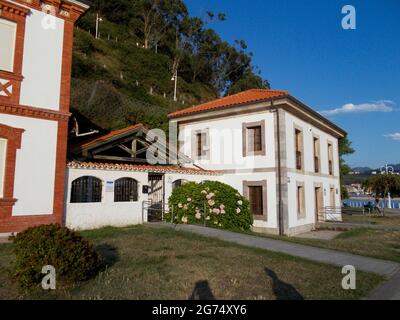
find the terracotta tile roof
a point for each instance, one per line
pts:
(138, 167)
(249, 96)
(89, 142)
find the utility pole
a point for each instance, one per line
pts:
(175, 78)
(98, 19)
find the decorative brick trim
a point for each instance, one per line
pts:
(65, 94)
(62, 9)
(17, 14)
(8, 7)
(13, 136)
(34, 112)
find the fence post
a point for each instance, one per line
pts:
(172, 214)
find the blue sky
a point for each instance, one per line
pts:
(300, 46)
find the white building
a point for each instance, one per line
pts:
(278, 152)
(35, 66)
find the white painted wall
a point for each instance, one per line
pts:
(42, 62)
(83, 216)
(226, 153)
(35, 165)
(308, 177)
(226, 142)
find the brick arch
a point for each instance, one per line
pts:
(13, 137)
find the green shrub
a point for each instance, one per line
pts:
(212, 203)
(73, 258)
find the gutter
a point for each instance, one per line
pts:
(280, 207)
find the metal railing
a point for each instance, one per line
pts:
(330, 214)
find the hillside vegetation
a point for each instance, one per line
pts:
(126, 76)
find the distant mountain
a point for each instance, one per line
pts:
(366, 170)
(361, 169)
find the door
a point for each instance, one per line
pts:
(318, 203)
(156, 197)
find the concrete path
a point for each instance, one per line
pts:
(382, 267)
(390, 290)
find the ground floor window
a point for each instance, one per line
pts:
(125, 190)
(178, 183)
(301, 210)
(256, 193)
(86, 189)
(256, 199)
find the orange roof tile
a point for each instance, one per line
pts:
(138, 167)
(249, 96)
(107, 136)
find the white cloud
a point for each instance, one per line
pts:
(377, 106)
(394, 136)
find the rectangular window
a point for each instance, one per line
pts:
(256, 200)
(253, 135)
(200, 144)
(333, 197)
(300, 201)
(3, 152)
(7, 44)
(298, 136)
(254, 139)
(330, 158)
(316, 155)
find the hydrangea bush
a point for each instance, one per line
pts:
(212, 203)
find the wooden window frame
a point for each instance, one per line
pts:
(317, 154)
(263, 184)
(245, 139)
(301, 201)
(13, 137)
(330, 158)
(206, 146)
(10, 82)
(332, 195)
(299, 148)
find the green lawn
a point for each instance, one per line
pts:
(388, 220)
(151, 263)
(378, 244)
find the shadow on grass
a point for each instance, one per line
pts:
(109, 254)
(283, 290)
(202, 291)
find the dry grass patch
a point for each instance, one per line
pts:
(152, 263)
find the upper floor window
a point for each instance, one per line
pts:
(125, 190)
(86, 189)
(298, 139)
(316, 147)
(200, 144)
(3, 152)
(254, 138)
(8, 30)
(330, 158)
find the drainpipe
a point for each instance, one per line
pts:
(280, 207)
